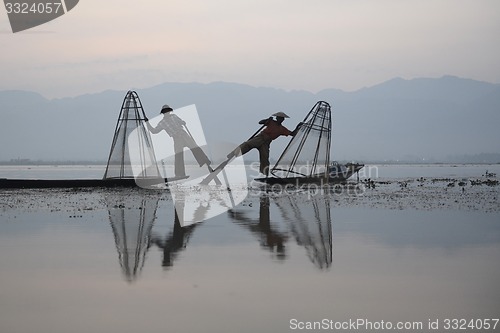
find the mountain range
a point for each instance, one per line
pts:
(417, 119)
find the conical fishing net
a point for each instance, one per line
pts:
(308, 153)
(132, 154)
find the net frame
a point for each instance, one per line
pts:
(317, 120)
(130, 119)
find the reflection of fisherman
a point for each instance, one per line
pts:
(263, 140)
(269, 238)
(173, 125)
(177, 240)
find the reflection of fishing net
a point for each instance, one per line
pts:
(132, 219)
(308, 153)
(311, 227)
(131, 151)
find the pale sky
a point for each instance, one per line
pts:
(289, 44)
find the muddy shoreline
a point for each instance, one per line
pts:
(479, 194)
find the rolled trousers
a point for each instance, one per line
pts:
(181, 141)
(262, 143)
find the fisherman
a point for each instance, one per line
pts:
(173, 125)
(262, 141)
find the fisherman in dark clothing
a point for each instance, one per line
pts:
(262, 141)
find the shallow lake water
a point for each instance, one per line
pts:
(118, 260)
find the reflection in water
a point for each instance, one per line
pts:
(311, 225)
(309, 221)
(269, 238)
(132, 219)
(408, 265)
(177, 239)
(199, 204)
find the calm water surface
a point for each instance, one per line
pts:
(117, 261)
(375, 171)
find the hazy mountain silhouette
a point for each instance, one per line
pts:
(397, 119)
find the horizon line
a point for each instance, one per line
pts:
(250, 85)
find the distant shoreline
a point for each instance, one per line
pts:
(367, 162)
(27, 162)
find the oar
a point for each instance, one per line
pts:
(221, 166)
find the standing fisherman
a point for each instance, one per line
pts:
(173, 125)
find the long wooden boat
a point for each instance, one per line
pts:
(338, 173)
(64, 183)
(6, 183)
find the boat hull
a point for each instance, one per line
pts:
(338, 173)
(68, 183)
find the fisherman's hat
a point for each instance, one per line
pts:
(165, 108)
(280, 114)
